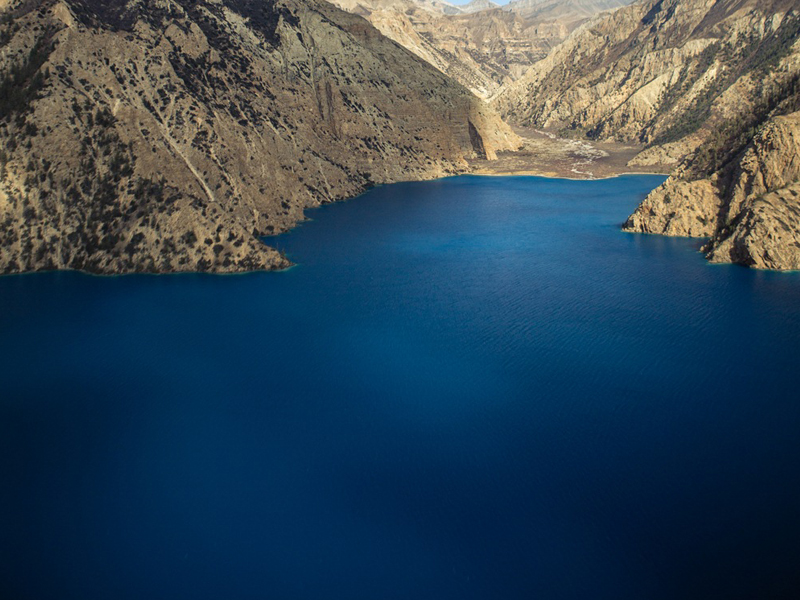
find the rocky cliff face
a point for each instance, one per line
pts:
(478, 5)
(168, 135)
(711, 86)
(482, 48)
(569, 12)
(749, 208)
(663, 72)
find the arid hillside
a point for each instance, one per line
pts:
(662, 72)
(483, 47)
(709, 86)
(169, 135)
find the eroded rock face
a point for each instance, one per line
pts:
(766, 236)
(482, 47)
(750, 209)
(662, 72)
(707, 85)
(570, 12)
(477, 6)
(168, 135)
(678, 208)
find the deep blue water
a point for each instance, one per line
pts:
(473, 388)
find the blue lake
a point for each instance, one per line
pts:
(472, 388)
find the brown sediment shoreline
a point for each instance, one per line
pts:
(547, 155)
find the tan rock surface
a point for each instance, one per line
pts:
(482, 49)
(750, 209)
(168, 135)
(679, 208)
(702, 84)
(655, 72)
(766, 235)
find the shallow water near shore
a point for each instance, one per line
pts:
(470, 388)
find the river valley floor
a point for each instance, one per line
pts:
(547, 154)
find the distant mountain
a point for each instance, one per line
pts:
(439, 7)
(143, 135)
(657, 72)
(707, 85)
(481, 47)
(445, 7)
(567, 11)
(477, 6)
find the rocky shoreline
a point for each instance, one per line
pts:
(748, 209)
(150, 136)
(171, 137)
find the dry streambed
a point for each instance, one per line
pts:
(545, 153)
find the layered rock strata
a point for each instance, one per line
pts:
(665, 73)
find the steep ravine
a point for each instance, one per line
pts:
(169, 135)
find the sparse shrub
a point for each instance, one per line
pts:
(22, 84)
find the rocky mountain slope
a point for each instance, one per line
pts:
(439, 7)
(746, 200)
(569, 12)
(656, 71)
(478, 5)
(483, 49)
(168, 135)
(707, 85)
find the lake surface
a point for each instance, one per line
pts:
(473, 388)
